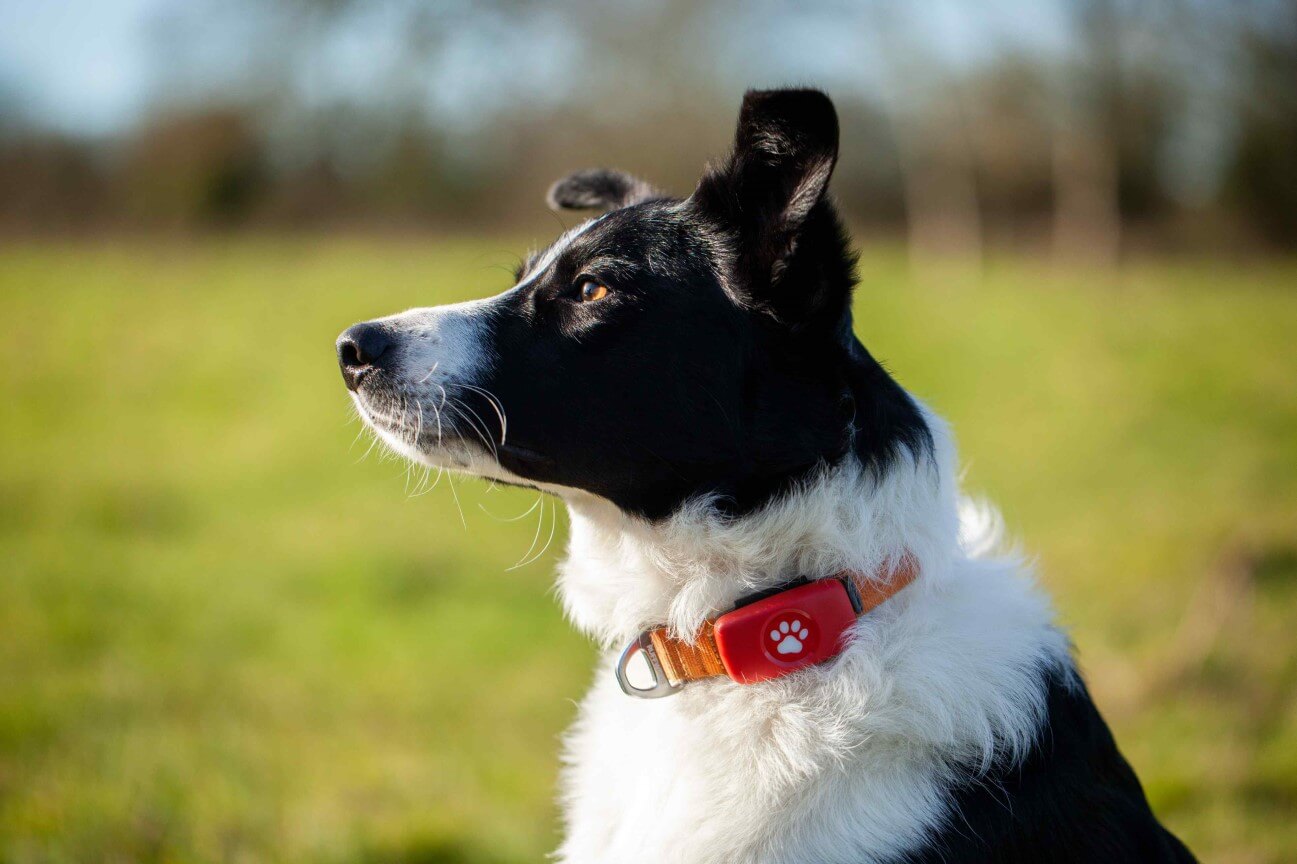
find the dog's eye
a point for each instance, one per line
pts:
(590, 291)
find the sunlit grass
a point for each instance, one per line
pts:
(225, 635)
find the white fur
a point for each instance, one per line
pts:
(846, 762)
(448, 338)
(441, 348)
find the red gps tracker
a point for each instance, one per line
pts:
(784, 632)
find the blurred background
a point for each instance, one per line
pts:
(230, 630)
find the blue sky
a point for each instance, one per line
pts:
(78, 65)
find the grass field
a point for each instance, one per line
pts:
(226, 636)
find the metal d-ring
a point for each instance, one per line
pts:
(662, 685)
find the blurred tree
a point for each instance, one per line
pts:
(962, 125)
(927, 108)
(1087, 217)
(1011, 133)
(200, 169)
(1263, 174)
(50, 183)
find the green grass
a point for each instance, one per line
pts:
(225, 636)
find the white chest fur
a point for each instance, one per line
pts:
(849, 761)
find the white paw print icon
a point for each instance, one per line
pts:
(789, 636)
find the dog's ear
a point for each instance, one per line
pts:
(599, 189)
(771, 194)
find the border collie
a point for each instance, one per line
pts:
(770, 526)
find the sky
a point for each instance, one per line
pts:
(88, 67)
(77, 65)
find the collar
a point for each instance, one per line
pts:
(766, 635)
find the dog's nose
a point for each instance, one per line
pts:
(359, 349)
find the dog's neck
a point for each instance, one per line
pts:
(624, 574)
(952, 671)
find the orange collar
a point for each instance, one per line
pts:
(767, 635)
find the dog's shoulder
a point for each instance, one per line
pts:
(1074, 798)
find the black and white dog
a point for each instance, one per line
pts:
(853, 671)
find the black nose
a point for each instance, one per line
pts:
(359, 349)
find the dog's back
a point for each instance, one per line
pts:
(1074, 798)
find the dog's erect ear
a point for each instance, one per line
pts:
(599, 189)
(771, 192)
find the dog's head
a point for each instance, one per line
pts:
(665, 350)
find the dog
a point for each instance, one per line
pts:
(766, 537)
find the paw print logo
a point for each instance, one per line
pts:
(789, 637)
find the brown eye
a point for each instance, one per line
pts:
(592, 291)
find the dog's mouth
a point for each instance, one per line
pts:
(461, 427)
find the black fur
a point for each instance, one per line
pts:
(599, 189)
(723, 363)
(792, 254)
(1074, 800)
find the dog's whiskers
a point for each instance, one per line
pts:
(437, 410)
(451, 480)
(495, 403)
(479, 425)
(529, 558)
(540, 523)
(521, 515)
(474, 422)
(418, 436)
